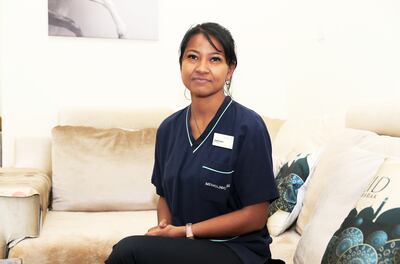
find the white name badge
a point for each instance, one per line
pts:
(223, 141)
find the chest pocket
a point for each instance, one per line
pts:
(215, 182)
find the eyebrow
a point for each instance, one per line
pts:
(215, 52)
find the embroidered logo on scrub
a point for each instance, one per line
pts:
(223, 141)
(220, 187)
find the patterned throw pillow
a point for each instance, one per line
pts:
(291, 182)
(371, 231)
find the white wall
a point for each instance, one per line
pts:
(342, 52)
(295, 58)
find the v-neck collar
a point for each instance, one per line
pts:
(196, 144)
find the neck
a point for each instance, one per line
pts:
(202, 112)
(205, 108)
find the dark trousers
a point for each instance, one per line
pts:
(166, 250)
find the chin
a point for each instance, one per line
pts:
(203, 91)
(205, 94)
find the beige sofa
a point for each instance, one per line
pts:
(81, 227)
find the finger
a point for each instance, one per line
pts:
(152, 233)
(153, 228)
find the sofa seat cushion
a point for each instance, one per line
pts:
(82, 237)
(284, 246)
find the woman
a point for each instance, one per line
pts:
(213, 168)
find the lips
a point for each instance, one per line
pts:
(200, 80)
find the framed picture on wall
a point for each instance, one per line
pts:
(122, 19)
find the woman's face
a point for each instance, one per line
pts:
(204, 69)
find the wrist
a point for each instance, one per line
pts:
(182, 231)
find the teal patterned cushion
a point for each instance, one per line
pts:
(371, 231)
(290, 181)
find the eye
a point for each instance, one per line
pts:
(215, 59)
(191, 56)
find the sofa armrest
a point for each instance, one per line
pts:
(2, 245)
(24, 196)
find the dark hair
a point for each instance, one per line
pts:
(217, 31)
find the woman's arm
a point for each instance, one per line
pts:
(236, 223)
(163, 216)
(248, 219)
(163, 212)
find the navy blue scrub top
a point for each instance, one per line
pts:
(204, 178)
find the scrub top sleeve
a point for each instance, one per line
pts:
(253, 177)
(156, 178)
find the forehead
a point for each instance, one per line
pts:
(200, 41)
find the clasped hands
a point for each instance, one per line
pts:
(166, 230)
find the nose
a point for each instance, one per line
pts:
(202, 66)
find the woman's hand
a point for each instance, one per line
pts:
(167, 231)
(163, 223)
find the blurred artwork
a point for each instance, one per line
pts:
(122, 19)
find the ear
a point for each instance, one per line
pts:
(231, 69)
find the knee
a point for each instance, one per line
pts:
(124, 251)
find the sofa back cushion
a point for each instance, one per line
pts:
(102, 169)
(113, 117)
(304, 136)
(273, 126)
(381, 118)
(33, 152)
